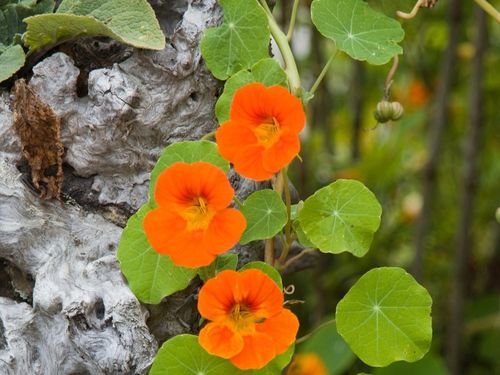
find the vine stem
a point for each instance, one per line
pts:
(305, 337)
(269, 251)
(488, 8)
(285, 49)
(207, 136)
(288, 229)
(323, 73)
(293, 18)
(292, 260)
(390, 77)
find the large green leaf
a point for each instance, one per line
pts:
(385, 317)
(267, 269)
(183, 355)
(265, 213)
(241, 41)
(342, 216)
(266, 71)
(358, 30)
(223, 262)
(150, 275)
(332, 349)
(12, 14)
(187, 152)
(135, 23)
(11, 60)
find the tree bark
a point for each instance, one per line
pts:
(470, 180)
(65, 307)
(436, 130)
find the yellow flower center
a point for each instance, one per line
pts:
(268, 133)
(199, 215)
(243, 319)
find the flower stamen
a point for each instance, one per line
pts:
(268, 133)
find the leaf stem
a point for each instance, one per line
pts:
(488, 8)
(295, 258)
(269, 251)
(282, 42)
(238, 202)
(207, 136)
(288, 229)
(305, 337)
(293, 18)
(323, 73)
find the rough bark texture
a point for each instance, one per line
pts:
(64, 305)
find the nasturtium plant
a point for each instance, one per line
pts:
(342, 216)
(12, 59)
(385, 317)
(187, 152)
(241, 41)
(266, 71)
(358, 30)
(223, 262)
(151, 276)
(267, 269)
(135, 24)
(183, 355)
(265, 213)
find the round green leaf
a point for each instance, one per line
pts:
(267, 269)
(11, 60)
(135, 24)
(342, 216)
(223, 262)
(358, 30)
(266, 215)
(385, 317)
(301, 236)
(183, 355)
(150, 275)
(241, 41)
(187, 152)
(266, 71)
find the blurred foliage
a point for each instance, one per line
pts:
(391, 161)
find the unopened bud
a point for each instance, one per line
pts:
(388, 111)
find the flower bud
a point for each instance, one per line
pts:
(388, 111)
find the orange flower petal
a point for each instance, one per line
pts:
(248, 163)
(260, 292)
(178, 184)
(250, 105)
(230, 137)
(216, 297)
(282, 153)
(167, 234)
(258, 351)
(219, 340)
(282, 328)
(224, 231)
(286, 108)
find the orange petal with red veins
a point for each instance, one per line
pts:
(250, 105)
(282, 328)
(224, 231)
(258, 351)
(219, 340)
(260, 292)
(216, 297)
(286, 108)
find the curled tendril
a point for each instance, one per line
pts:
(419, 4)
(290, 289)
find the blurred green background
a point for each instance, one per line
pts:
(343, 140)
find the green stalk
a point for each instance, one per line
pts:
(282, 42)
(488, 8)
(293, 18)
(323, 73)
(288, 228)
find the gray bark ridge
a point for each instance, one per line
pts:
(65, 307)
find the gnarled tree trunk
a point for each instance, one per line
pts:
(65, 307)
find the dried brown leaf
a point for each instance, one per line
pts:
(38, 126)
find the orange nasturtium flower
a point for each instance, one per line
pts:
(262, 133)
(307, 364)
(249, 325)
(192, 224)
